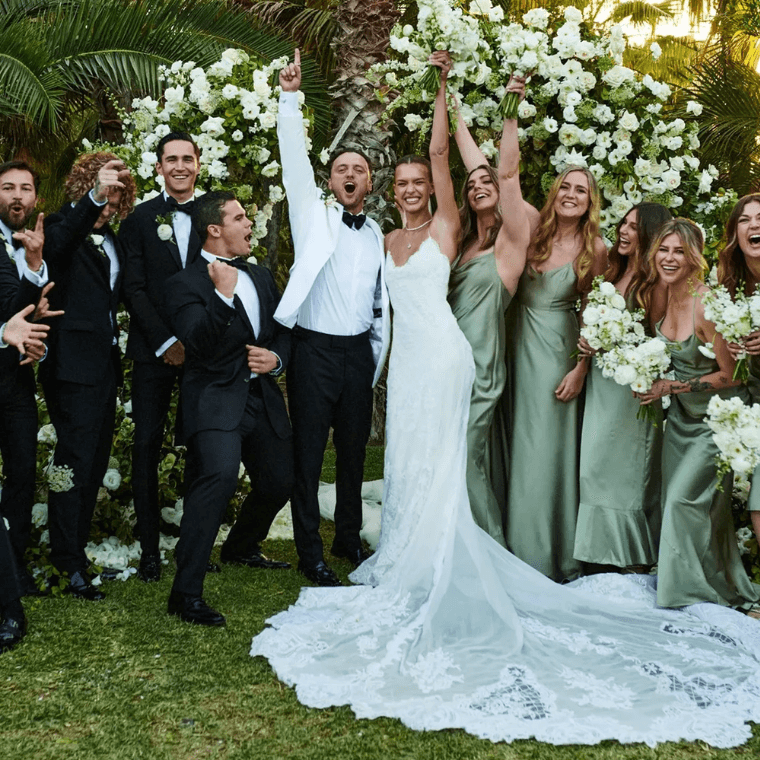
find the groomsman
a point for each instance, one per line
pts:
(23, 273)
(26, 338)
(154, 255)
(222, 310)
(337, 304)
(82, 370)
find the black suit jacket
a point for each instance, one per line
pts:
(215, 381)
(80, 341)
(15, 294)
(150, 262)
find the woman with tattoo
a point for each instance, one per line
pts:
(698, 558)
(739, 268)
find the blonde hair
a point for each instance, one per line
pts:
(692, 241)
(588, 227)
(732, 266)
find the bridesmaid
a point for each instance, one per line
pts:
(739, 265)
(483, 280)
(698, 559)
(619, 514)
(565, 256)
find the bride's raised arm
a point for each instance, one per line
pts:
(446, 225)
(518, 218)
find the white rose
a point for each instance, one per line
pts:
(625, 375)
(607, 289)
(629, 121)
(165, 232)
(413, 121)
(271, 169)
(112, 479)
(550, 125)
(568, 114)
(693, 107)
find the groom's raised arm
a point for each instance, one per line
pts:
(297, 172)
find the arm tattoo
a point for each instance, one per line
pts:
(697, 385)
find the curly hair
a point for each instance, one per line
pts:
(469, 219)
(82, 178)
(588, 227)
(693, 243)
(732, 267)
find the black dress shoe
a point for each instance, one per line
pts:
(109, 573)
(212, 567)
(319, 573)
(81, 588)
(256, 559)
(354, 556)
(12, 630)
(192, 609)
(29, 586)
(149, 570)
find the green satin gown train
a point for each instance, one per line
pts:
(753, 503)
(479, 301)
(699, 559)
(542, 504)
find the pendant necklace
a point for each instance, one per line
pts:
(414, 229)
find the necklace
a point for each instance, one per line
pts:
(414, 229)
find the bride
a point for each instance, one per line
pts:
(453, 631)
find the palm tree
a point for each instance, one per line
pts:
(64, 65)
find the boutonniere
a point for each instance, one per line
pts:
(331, 201)
(165, 227)
(97, 241)
(10, 250)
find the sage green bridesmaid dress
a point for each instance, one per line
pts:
(619, 514)
(753, 503)
(699, 559)
(479, 301)
(542, 507)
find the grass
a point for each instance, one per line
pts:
(121, 679)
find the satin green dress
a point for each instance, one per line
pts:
(479, 301)
(542, 507)
(699, 559)
(620, 477)
(753, 503)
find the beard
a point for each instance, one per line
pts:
(14, 220)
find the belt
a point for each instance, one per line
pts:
(331, 341)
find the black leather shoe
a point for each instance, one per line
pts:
(29, 586)
(109, 573)
(12, 630)
(255, 559)
(212, 567)
(192, 609)
(320, 573)
(150, 569)
(354, 556)
(81, 588)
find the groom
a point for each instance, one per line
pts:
(337, 304)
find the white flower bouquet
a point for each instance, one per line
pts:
(736, 433)
(735, 319)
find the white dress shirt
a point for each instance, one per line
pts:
(341, 300)
(19, 258)
(245, 290)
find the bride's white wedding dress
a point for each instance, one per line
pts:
(454, 631)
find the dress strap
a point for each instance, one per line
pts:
(694, 314)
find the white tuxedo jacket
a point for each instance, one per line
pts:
(315, 224)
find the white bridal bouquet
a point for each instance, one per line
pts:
(735, 319)
(736, 433)
(625, 354)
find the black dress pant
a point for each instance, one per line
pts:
(18, 446)
(267, 458)
(329, 385)
(9, 585)
(152, 389)
(84, 417)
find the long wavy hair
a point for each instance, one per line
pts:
(732, 267)
(649, 218)
(469, 219)
(588, 225)
(83, 174)
(693, 243)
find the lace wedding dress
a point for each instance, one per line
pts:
(452, 631)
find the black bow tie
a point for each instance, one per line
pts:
(186, 207)
(239, 262)
(355, 221)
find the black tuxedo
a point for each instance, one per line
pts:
(228, 417)
(80, 374)
(149, 263)
(18, 415)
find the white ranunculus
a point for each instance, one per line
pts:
(165, 232)
(112, 479)
(568, 114)
(550, 125)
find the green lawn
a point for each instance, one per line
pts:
(121, 679)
